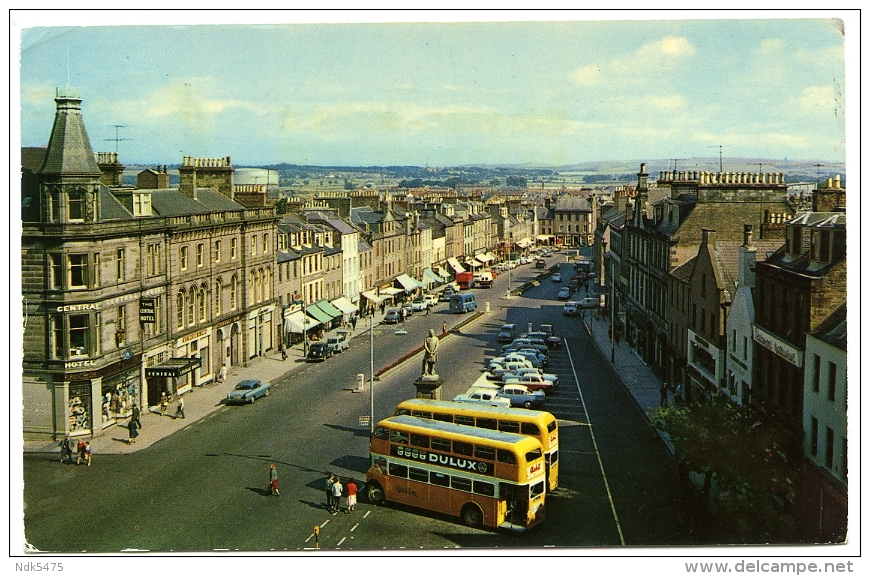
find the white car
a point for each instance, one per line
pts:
(498, 369)
(590, 302)
(419, 305)
(483, 397)
(431, 299)
(522, 371)
(532, 381)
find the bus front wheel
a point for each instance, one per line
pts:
(376, 494)
(472, 515)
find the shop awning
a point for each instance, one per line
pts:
(524, 242)
(345, 305)
(545, 237)
(429, 275)
(391, 291)
(299, 322)
(473, 263)
(485, 258)
(454, 263)
(328, 308)
(408, 283)
(318, 314)
(444, 274)
(172, 368)
(373, 296)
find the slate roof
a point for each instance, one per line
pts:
(340, 225)
(111, 208)
(726, 254)
(570, 203)
(172, 202)
(69, 149)
(833, 328)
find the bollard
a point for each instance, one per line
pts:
(360, 382)
(530, 327)
(487, 306)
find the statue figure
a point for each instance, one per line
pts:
(430, 354)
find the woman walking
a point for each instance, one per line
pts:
(273, 480)
(132, 426)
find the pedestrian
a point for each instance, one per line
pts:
(444, 328)
(80, 452)
(329, 482)
(223, 373)
(283, 351)
(137, 414)
(351, 495)
(336, 496)
(89, 453)
(663, 391)
(353, 321)
(273, 480)
(65, 450)
(678, 393)
(133, 428)
(180, 408)
(164, 403)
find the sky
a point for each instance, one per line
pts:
(561, 91)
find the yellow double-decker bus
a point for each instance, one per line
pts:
(541, 425)
(485, 477)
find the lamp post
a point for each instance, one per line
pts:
(510, 253)
(372, 374)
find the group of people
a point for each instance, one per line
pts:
(334, 490)
(83, 451)
(164, 404)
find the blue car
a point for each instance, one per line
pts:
(249, 390)
(521, 396)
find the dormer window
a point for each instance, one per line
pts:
(141, 204)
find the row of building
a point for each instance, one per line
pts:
(761, 321)
(132, 291)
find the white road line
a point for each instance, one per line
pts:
(354, 527)
(366, 515)
(309, 538)
(340, 541)
(597, 454)
(325, 523)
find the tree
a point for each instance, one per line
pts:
(281, 206)
(518, 181)
(749, 465)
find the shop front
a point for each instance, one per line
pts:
(195, 345)
(260, 331)
(172, 376)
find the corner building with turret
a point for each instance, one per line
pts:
(131, 292)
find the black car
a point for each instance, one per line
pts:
(318, 352)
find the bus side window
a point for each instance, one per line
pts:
(509, 426)
(441, 444)
(530, 429)
(418, 474)
(398, 437)
(463, 448)
(535, 454)
(484, 488)
(463, 484)
(398, 470)
(419, 440)
(402, 412)
(421, 414)
(444, 417)
(484, 452)
(381, 433)
(506, 457)
(538, 489)
(464, 420)
(488, 423)
(439, 479)
(551, 426)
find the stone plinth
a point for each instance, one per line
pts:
(429, 386)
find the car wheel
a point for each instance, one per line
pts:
(268, 391)
(251, 400)
(376, 494)
(527, 404)
(472, 515)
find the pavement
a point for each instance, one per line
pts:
(636, 376)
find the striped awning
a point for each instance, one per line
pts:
(454, 263)
(408, 283)
(429, 275)
(299, 322)
(318, 314)
(345, 305)
(328, 308)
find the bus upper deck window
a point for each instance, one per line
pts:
(506, 457)
(464, 420)
(488, 423)
(509, 426)
(535, 454)
(551, 426)
(419, 414)
(402, 412)
(463, 448)
(419, 440)
(441, 444)
(381, 433)
(484, 452)
(529, 429)
(398, 437)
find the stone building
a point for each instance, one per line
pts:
(130, 292)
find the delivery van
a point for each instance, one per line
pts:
(462, 303)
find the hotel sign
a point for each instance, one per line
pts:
(147, 311)
(784, 350)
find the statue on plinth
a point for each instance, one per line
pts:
(430, 355)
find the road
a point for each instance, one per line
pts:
(204, 487)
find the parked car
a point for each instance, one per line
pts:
(507, 333)
(318, 352)
(499, 369)
(248, 391)
(523, 343)
(537, 358)
(519, 372)
(408, 307)
(419, 305)
(532, 381)
(431, 299)
(550, 339)
(338, 343)
(564, 293)
(557, 277)
(483, 397)
(519, 395)
(570, 308)
(393, 316)
(446, 294)
(590, 302)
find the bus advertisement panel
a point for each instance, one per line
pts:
(541, 425)
(485, 477)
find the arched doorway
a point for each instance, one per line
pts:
(234, 345)
(219, 352)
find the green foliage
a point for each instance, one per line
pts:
(281, 206)
(752, 465)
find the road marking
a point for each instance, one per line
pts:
(340, 541)
(325, 523)
(354, 527)
(309, 538)
(597, 454)
(366, 515)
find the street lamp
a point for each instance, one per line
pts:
(372, 373)
(510, 253)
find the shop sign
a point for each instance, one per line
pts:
(782, 349)
(147, 311)
(78, 307)
(193, 336)
(79, 364)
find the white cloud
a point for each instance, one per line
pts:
(771, 45)
(653, 57)
(587, 75)
(667, 47)
(814, 98)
